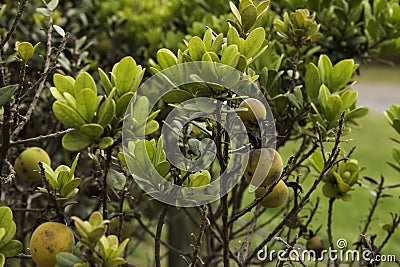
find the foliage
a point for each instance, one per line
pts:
(301, 55)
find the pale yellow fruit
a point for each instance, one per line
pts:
(255, 110)
(264, 167)
(48, 240)
(278, 195)
(27, 163)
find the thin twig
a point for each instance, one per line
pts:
(157, 240)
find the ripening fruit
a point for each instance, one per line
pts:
(48, 240)
(317, 244)
(276, 197)
(255, 110)
(26, 165)
(264, 167)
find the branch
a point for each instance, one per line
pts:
(157, 241)
(21, 8)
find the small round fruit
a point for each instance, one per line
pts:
(48, 240)
(317, 244)
(278, 195)
(264, 167)
(294, 221)
(26, 165)
(255, 110)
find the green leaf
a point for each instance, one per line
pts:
(230, 56)
(140, 110)
(166, 58)
(92, 129)
(6, 217)
(116, 179)
(325, 68)
(312, 81)
(333, 107)
(86, 104)
(114, 262)
(196, 48)
(65, 259)
(233, 37)
(151, 127)
(74, 141)
(324, 95)
(249, 17)
(6, 93)
(67, 115)
(9, 234)
(106, 112)
(359, 112)
(52, 5)
(176, 96)
(123, 102)
(106, 142)
(217, 43)
(349, 99)
(73, 166)
(25, 50)
(56, 94)
(163, 168)
(340, 75)
(208, 39)
(235, 11)
(71, 101)
(13, 248)
(2, 260)
(105, 81)
(70, 186)
(64, 83)
(254, 42)
(125, 73)
(84, 80)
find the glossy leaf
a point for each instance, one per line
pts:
(67, 115)
(166, 58)
(196, 48)
(125, 73)
(106, 142)
(86, 104)
(106, 112)
(340, 75)
(312, 81)
(64, 83)
(6, 93)
(13, 248)
(249, 17)
(75, 141)
(176, 96)
(254, 42)
(84, 80)
(105, 81)
(123, 102)
(92, 129)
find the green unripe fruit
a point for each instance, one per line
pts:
(278, 195)
(27, 163)
(48, 240)
(255, 110)
(264, 167)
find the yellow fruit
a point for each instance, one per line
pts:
(255, 110)
(264, 167)
(317, 244)
(48, 240)
(26, 165)
(276, 197)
